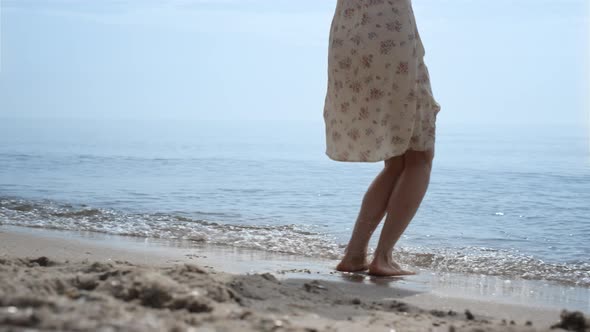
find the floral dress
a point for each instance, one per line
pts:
(379, 102)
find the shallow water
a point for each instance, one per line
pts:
(502, 200)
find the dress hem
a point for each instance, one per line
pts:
(376, 160)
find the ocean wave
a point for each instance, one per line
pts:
(504, 263)
(289, 239)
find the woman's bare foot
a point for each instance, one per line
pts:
(386, 267)
(353, 264)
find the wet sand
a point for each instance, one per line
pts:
(73, 281)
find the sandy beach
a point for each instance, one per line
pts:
(62, 281)
(205, 165)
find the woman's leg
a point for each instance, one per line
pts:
(403, 204)
(372, 211)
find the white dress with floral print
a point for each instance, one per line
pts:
(379, 102)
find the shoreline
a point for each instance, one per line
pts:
(493, 300)
(316, 242)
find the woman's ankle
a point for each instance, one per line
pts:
(355, 256)
(382, 256)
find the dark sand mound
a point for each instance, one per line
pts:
(41, 294)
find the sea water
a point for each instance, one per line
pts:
(511, 201)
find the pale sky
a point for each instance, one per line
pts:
(501, 61)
